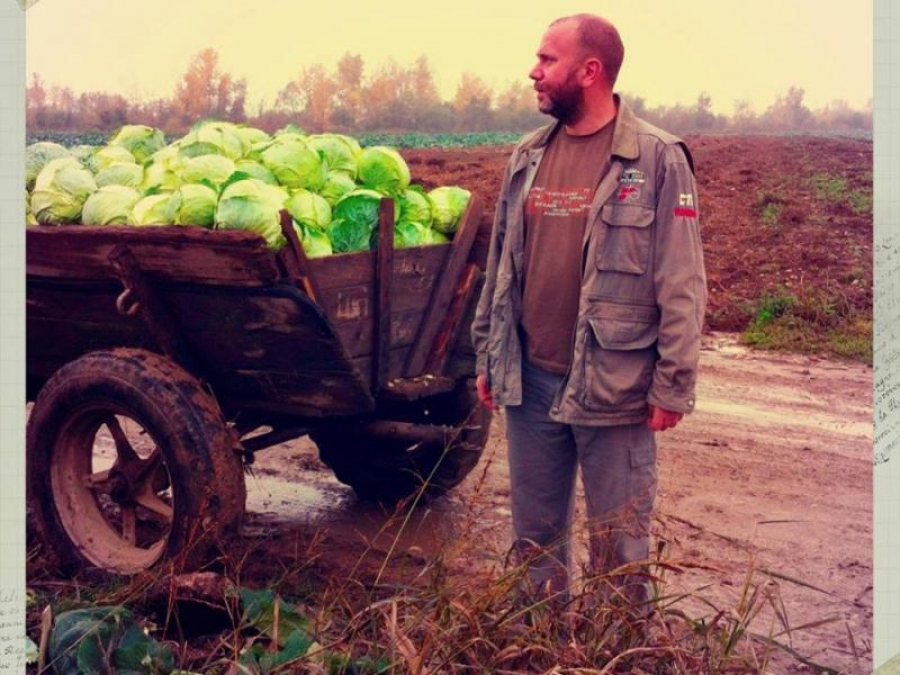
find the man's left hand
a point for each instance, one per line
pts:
(661, 419)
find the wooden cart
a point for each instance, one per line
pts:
(160, 359)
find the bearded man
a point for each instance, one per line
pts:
(589, 322)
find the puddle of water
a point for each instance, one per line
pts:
(317, 502)
(290, 501)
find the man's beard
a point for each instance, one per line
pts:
(567, 102)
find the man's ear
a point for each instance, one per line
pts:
(593, 71)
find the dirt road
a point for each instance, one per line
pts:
(773, 469)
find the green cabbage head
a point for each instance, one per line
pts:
(337, 151)
(336, 186)
(158, 209)
(158, 175)
(382, 168)
(295, 164)
(108, 155)
(432, 236)
(314, 241)
(309, 209)
(121, 173)
(251, 205)
(83, 153)
(29, 215)
(447, 206)
(409, 233)
(251, 135)
(198, 205)
(140, 140)
(414, 206)
(110, 205)
(213, 138)
(36, 157)
(213, 168)
(355, 220)
(255, 170)
(60, 190)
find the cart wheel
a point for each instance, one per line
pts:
(388, 469)
(130, 463)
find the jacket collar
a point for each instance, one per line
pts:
(624, 140)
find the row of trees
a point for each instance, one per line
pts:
(392, 98)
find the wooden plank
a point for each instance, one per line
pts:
(96, 301)
(462, 354)
(59, 342)
(449, 329)
(358, 302)
(173, 254)
(356, 336)
(384, 272)
(357, 269)
(445, 287)
(296, 260)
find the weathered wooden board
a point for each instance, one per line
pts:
(445, 287)
(295, 260)
(462, 355)
(277, 333)
(168, 253)
(384, 274)
(358, 269)
(452, 323)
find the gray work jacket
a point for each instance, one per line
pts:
(643, 291)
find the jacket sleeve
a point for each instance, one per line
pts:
(680, 283)
(482, 322)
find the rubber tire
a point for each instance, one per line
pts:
(198, 449)
(387, 470)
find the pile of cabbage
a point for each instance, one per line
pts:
(231, 177)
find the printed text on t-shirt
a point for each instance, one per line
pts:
(558, 202)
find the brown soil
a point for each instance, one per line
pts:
(773, 470)
(818, 243)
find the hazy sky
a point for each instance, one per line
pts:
(732, 49)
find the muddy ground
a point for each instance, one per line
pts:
(773, 470)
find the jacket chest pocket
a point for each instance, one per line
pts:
(626, 247)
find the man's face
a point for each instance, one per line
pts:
(555, 75)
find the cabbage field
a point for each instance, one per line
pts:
(399, 140)
(234, 177)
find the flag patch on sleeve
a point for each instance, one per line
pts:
(685, 212)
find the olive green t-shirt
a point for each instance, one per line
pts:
(555, 215)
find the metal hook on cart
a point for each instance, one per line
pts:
(126, 304)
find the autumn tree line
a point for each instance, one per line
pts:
(391, 98)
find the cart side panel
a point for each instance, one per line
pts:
(267, 348)
(348, 299)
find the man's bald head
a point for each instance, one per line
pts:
(599, 39)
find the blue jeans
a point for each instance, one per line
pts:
(618, 469)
